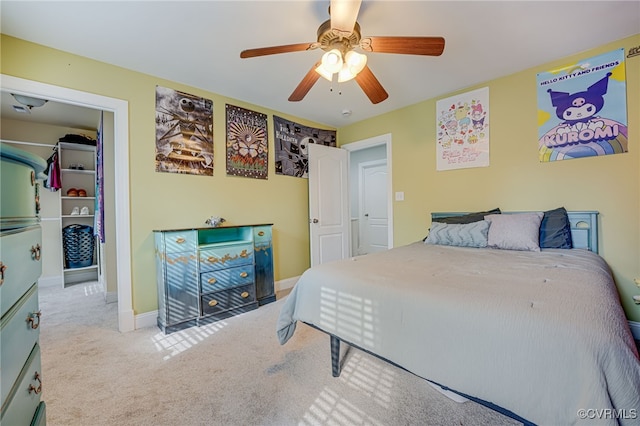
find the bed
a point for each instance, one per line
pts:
(536, 333)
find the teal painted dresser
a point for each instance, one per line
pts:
(20, 268)
(208, 274)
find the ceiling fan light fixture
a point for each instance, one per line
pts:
(324, 73)
(332, 61)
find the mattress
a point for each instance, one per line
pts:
(540, 334)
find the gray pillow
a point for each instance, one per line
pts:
(462, 234)
(518, 231)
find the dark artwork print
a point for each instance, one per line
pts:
(184, 133)
(247, 143)
(291, 145)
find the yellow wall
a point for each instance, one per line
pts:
(515, 179)
(167, 201)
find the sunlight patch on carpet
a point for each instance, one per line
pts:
(180, 341)
(331, 408)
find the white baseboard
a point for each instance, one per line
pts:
(286, 284)
(111, 297)
(635, 329)
(51, 281)
(149, 319)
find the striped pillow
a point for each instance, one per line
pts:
(462, 235)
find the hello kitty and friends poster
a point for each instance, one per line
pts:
(582, 109)
(462, 124)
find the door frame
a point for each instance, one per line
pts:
(120, 110)
(385, 140)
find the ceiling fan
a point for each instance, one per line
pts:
(339, 37)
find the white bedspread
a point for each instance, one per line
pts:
(541, 334)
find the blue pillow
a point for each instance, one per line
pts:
(459, 234)
(555, 229)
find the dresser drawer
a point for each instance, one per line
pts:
(225, 256)
(213, 303)
(262, 235)
(19, 332)
(24, 397)
(20, 252)
(18, 190)
(223, 279)
(176, 241)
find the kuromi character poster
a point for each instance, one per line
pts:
(582, 109)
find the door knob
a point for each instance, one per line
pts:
(366, 215)
(314, 220)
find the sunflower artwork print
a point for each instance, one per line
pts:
(247, 143)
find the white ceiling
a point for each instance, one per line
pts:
(198, 43)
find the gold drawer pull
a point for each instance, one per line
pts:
(212, 280)
(213, 302)
(244, 294)
(34, 319)
(212, 259)
(243, 275)
(261, 233)
(180, 240)
(38, 389)
(35, 252)
(3, 268)
(244, 253)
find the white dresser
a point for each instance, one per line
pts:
(20, 268)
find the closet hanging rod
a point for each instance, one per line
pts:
(29, 143)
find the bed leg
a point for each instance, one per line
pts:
(335, 356)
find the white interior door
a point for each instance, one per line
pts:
(328, 204)
(373, 207)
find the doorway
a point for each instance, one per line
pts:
(370, 192)
(120, 112)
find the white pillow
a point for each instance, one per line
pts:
(516, 231)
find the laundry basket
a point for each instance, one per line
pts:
(78, 242)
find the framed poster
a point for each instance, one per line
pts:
(291, 146)
(582, 109)
(247, 143)
(462, 126)
(184, 133)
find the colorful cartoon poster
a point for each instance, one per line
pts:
(184, 133)
(291, 146)
(582, 109)
(462, 124)
(247, 143)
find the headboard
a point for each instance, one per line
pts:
(584, 227)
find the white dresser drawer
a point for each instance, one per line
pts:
(21, 264)
(19, 332)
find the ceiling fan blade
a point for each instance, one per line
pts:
(371, 86)
(431, 46)
(273, 50)
(305, 85)
(344, 14)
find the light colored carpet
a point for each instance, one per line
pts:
(233, 372)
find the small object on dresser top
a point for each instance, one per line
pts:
(215, 221)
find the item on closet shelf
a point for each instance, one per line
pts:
(82, 193)
(78, 244)
(84, 211)
(75, 211)
(72, 192)
(83, 139)
(215, 221)
(76, 166)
